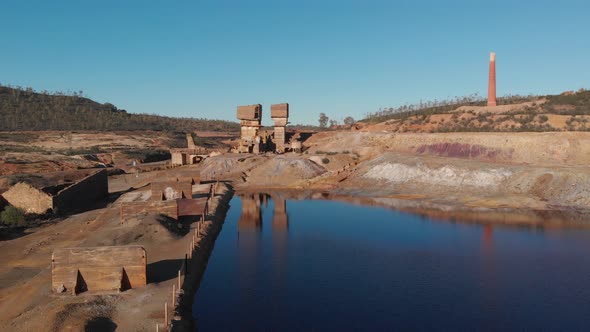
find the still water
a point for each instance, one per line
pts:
(316, 265)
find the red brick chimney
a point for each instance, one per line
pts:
(492, 81)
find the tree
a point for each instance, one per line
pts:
(349, 121)
(323, 120)
(12, 216)
(333, 123)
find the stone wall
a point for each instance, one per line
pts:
(75, 270)
(191, 207)
(28, 198)
(279, 139)
(82, 194)
(178, 158)
(166, 190)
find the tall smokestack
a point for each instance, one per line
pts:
(492, 81)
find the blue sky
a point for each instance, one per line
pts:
(203, 58)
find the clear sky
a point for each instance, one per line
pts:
(203, 58)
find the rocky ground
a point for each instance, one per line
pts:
(44, 151)
(25, 267)
(509, 178)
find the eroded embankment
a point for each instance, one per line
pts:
(547, 149)
(183, 318)
(474, 183)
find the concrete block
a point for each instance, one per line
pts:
(249, 112)
(111, 268)
(279, 110)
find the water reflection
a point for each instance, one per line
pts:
(281, 264)
(251, 217)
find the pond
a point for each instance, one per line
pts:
(319, 265)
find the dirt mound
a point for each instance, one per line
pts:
(284, 170)
(446, 175)
(462, 180)
(228, 166)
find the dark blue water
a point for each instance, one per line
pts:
(332, 266)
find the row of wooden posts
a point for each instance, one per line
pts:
(197, 234)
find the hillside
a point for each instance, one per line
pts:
(25, 109)
(569, 111)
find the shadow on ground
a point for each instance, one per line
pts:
(163, 270)
(100, 324)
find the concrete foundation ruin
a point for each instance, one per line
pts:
(98, 269)
(252, 140)
(250, 117)
(168, 190)
(171, 197)
(280, 115)
(193, 154)
(58, 191)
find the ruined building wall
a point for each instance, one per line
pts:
(84, 193)
(28, 198)
(178, 159)
(280, 138)
(249, 129)
(280, 114)
(190, 142)
(171, 190)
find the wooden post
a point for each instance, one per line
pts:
(178, 279)
(157, 327)
(165, 313)
(173, 296)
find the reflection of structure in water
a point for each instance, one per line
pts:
(488, 237)
(250, 237)
(280, 219)
(251, 217)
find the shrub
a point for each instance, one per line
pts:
(12, 216)
(543, 118)
(325, 160)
